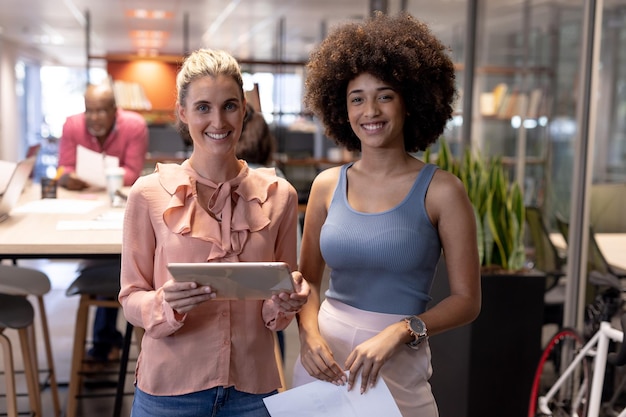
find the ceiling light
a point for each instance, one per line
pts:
(139, 13)
(145, 52)
(149, 34)
(149, 14)
(159, 14)
(138, 33)
(49, 39)
(148, 38)
(148, 43)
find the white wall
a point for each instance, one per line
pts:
(10, 145)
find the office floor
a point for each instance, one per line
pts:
(61, 312)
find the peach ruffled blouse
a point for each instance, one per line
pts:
(220, 343)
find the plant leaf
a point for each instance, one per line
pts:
(497, 203)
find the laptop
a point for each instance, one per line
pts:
(15, 186)
(6, 172)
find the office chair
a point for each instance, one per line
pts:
(547, 257)
(21, 281)
(18, 314)
(596, 261)
(549, 261)
(98, 286)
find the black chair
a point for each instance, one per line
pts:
(596, 261)
(548, 260)
(25, 282)
(17, 313)
(604, 281)
(547, 257)
(98, 286)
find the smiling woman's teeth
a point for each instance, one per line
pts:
(217, 136)
(373, 126)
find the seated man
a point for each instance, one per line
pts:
(112, 131)
(106, 129)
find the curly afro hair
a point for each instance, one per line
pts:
(398, 50)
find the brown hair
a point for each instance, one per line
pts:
(398, 50)
(256, 144)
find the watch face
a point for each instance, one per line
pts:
(417, 326)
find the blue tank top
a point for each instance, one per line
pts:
(383, 262)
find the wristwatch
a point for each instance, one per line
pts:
(417, 329)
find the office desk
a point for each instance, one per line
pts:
(36, 235)
(612, 245)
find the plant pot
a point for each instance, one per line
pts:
(486, 368)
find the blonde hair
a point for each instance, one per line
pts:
(206, 62)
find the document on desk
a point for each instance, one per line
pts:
(321, 399)
(59, 206)
(110, 220)
(91, 165)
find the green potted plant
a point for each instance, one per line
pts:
(486, 368)
(498, 207)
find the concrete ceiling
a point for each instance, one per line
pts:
(250, 29)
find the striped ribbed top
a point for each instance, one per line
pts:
(382, 262)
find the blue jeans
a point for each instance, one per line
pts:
(105, 333)
(214, 402)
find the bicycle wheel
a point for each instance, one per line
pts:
(571, 398)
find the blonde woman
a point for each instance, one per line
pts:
(201, 356)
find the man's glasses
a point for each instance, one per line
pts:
(97, 112)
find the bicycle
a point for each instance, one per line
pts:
(577, 390)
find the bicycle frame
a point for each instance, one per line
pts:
(599, 341)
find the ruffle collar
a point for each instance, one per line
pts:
(235, 206)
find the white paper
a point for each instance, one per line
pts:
(110, 220)
(59, 206)
(89, 225)
(111, 215)
(321, 399)
(90, 166)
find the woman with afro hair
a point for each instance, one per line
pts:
(384, 87)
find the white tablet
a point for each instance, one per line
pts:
(237, 280)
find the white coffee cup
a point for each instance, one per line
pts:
(115, 181)
(335, 154)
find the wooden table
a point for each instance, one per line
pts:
(612, 245)
(37, 234)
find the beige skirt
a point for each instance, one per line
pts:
(406, 373)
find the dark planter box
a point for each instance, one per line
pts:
(485, 369)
